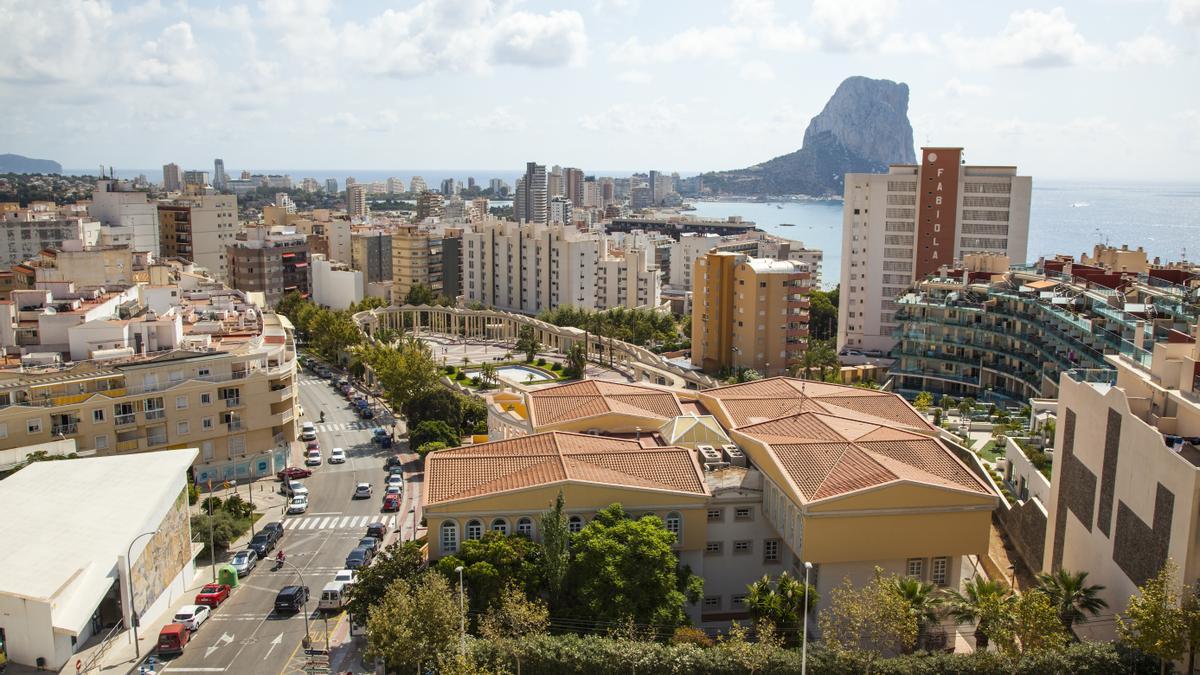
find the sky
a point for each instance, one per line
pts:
(1093, 90)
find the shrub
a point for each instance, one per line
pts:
(426, 448)
(541, 361)
(449, 370)
(460, 376)
(556, 366)
(212, 504)
(690, 635)
(193, 494)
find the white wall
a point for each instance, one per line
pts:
(337, 289)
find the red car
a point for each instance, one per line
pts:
(391, 503)
(293, 472)
(312, 445)
(212, 595)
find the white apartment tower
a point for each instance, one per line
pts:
(530, 204)
(126, 214)
(356, 202)
(903, 225)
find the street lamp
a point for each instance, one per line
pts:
(133, 619)
(804, 642)
(307, 635)
(462, 614)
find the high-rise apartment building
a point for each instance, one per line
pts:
(560, 210)
(641, 197)
(900, 226)
(219, 177)
(653, 183)
(395, 186)
(532, 267)
(556, 184)
(449, 187)
(429, 205)
(356, 202)
(749, 313)
(427, 257)
(284, 201)
(331, 186)
(417, 185)
(574, 185)
(198, 228)
(126, 214)
(172, 178)
(371, 253)
(273, 261)
(531, 201)
(195, 179)
(498, 187)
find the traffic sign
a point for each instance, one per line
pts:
(317, 652)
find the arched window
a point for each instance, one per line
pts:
(449, 537)
(574, 524)
(674, 524)
(500, 525)
(474, 530)
(525, 527)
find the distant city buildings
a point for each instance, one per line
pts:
(127, 215)
(199, 228)
(219, 177)
(356, 202)
(40, 226)
(195, 179)
(371, 254)
(531, 202)
(172, 178)
(271, 261)
(331, 186)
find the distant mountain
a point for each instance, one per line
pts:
(863, 128)
(19, 164)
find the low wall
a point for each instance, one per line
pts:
(1025, 524)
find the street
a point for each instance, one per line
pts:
(245, 635)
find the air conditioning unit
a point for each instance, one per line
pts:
(710, 457)
(733, 454)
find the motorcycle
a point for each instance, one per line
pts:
(278, 562)
(322, 417)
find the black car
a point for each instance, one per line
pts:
(366, 413)
(274, 529)
(369, 542)
(262, 544)
(377, 530)
(359, 558)
(291, 599)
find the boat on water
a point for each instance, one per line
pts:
(787, 224)
(779, 206)
(1079, 205)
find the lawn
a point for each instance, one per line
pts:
(990, 452)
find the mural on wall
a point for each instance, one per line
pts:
(167, 552)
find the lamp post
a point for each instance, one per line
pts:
(804, 641)
(303, 584)
(462, 615)
(133, 618)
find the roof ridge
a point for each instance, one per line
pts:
(860, 454)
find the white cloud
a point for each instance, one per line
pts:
(171, 59)
(501, 118)
(912, 43)
(540, 40)
(1186, 12)
(955, 88)
(635, 118)
(53, 41)
(720, 42)
(636, 77)
(380, 121)
(760, 71)
(1031, 39)
(624, 7)
(847, 25)
(1145, 50)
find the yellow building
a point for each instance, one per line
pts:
(749, 313)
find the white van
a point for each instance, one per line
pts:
(308, 431)
(333, 596)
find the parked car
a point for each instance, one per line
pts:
(308, 431)
(298, 505)
(325, 374)
(366, 413)
(262, 543)
(274, 529)
(172, 638)
(212, 595)
(349, 576)
(396, 471)
(379, 434)
(362, 491)
(358, 558)
(291, 599)
(371, 543)
(334, 596)
(313, 458)
(385, 442)
(293, 472)
(312, 445)
(377, 530)
(392, 461)
(391, 502)
(192, 616)
(338, 456)
(395, 479)
(294, 488)
(244, 562)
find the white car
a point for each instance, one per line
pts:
(362, 491)
(308, 431)
(298, 504)
(393, 490)
(191, 616)
(313, 458)
(337, 456)
(295, 488)
(348, 576)
(395, 479)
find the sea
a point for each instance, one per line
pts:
(1065, 216)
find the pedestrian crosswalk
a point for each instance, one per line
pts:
(336, 522)
(355, 425)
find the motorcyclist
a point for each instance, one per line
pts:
(279, 558)
(322, 416)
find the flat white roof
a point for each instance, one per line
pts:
(67, 523)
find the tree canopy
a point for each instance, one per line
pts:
(415, 624)
(399, 560)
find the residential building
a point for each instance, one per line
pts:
(429, 205)
(449, 187)
(531, 201)
(91, 266)
(749, 313)
(57, 592)
(356, 202)
(219, 176)
(335, 285)
(195, 180)
(683, 251)
(640, 197)
(127, 214)
(676, 226)
(199, 227)
(924, 216)
(172, 178)
(395, 186)
(574, 185)
(371, 252)
(28, 232)
(284, 201)
(556, 184)
(431, 257)
(417, 185)
(1125, 490)
(532, 267)
(499, 187)
(331, 186)
(271, 261)
(560, 210)
(992, 332)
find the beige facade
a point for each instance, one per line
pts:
(356, 203)
(749, 313)
(199, 228)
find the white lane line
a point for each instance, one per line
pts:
(325, 523)
(308, 523)
(174, 669)
(344, 522)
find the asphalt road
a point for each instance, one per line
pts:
(245, 635)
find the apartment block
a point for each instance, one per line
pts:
(127, 215)
(749, 313)
(431, 257)
(900, 226)
(335, 285)
(270, 261)
(429, 205)
(172, 178)
(199, 227)
(28, 231)
(371, 252)
(356, 202)
(688, 246)
(530, 203)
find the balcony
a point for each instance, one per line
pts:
(234, 426)
(127, 446)
(234, 402)
(279, 394)
(124, 420)
(64, 429)
(158, 414)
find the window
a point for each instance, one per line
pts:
(674, 524)
(915, 568)
(182, 428)
(449, 537)
(716, 515)
(743, 546)
(771, 550)
(181, 402)
(237, 446)
(737, 601)
(206, 398)
(574, 524)
(500, 525)
(98, 415)
(525, 527)
(474, 530)
(203, 372)
(712, 602)
(33, 426)
(101, 442)
(743, 513)
(206, 423)
(938, 570)
(206, 450)
(714, 548)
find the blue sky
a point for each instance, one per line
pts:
(1104, 89)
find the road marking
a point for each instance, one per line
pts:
(324, 522)
(274, 643)
(175, 669)
(327, 513)
(225, 639)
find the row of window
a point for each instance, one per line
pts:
(770, 549)
(525, 526)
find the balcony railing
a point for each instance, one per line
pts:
(157, 414)
(64, 429)
(234, 426)
(233, 402)
(125, 446)
(123, 420)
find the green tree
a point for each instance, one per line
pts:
(947, 402)
(983, 602)
(780, 603)
(527, 342)
(488, 375)
(437, 403)
(1154, 621)
(923, 401)
(966, 405)
(237, 507)
(424, 449)
(576, 362)
(512, 618)
(1071, 595)
(420, 294)
(864, 624)
(924, 604)
(625, 570)
(556, 556)
(225, 529)
(492, 563)
(404, 372)
(1030, 625)
(414, 625)
(431, 431)
(398, 561)
(823, 312)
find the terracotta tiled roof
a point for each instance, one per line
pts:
(762, 400)
(553, 457)
(577, 400)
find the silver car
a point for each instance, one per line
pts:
(244, 561)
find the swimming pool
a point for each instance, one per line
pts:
(516, 374)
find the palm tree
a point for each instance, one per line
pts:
(979, 602)
(1072, 596)
(781, 603)
(923, 602)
